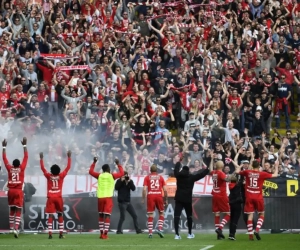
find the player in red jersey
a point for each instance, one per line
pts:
(55, 181)
(15, 187)
(220, 202)
(254, 197)
(153, 186)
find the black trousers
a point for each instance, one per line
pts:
(127, 206)
(179, 206)
(235, 213)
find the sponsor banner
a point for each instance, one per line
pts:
(82, 214)
(86, 186)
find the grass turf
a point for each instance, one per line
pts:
(140, 242)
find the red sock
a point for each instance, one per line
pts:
(17, 219)
(60, 224)
(250, 227)
(50, 223)
(101, 224)
(160, 222)
(260, 221)
(11, 218)
(106, 225)
(217, 221)
(150, 224)
(224, 221)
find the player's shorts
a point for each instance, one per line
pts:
(252, 205)
(105, 205)
(155, 202)
(54, 205)
(220, 204)
(15, 197)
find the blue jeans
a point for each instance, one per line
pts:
(286, 114)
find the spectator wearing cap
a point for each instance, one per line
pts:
(282, 101)
(191, 122)
(218, 149)
(286, 163)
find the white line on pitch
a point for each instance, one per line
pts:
(207, 247)
(103, 245)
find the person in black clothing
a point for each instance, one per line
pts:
(235, 202)
(183, 196)
(124, 185)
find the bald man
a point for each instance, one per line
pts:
(220, 202)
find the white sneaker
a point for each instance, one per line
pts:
(191, 236)
(16, 233)
(177, 237)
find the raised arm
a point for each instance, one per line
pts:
(25, 159)
(5, 161)
(275, 174)
(200, 174)
(121, 170)
(42, 164)
(92, 167)
(67, 169)
(177, 168)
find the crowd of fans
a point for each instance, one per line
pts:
(145, 81)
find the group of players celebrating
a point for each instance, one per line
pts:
(154, 191)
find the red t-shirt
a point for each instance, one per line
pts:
(155, 184)
(15, 175)
(231, 98)
(219, 183)
(252, 61)
(254, 183)
(55, 182)
(145, 163)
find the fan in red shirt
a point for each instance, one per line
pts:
(153, 186)
(254, 197)
(55, 181)
(16, 174)
(220, 202)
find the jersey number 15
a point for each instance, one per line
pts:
(253, 182)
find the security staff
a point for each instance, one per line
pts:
(235, 202)
(124, 185)
(183, 196)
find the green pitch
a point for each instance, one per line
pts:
(140, 242)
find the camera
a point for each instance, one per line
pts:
(126, 177)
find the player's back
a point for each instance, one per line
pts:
(16, 178)
(55, 185)
(155, 184)
(254, 183)
(219, 183)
